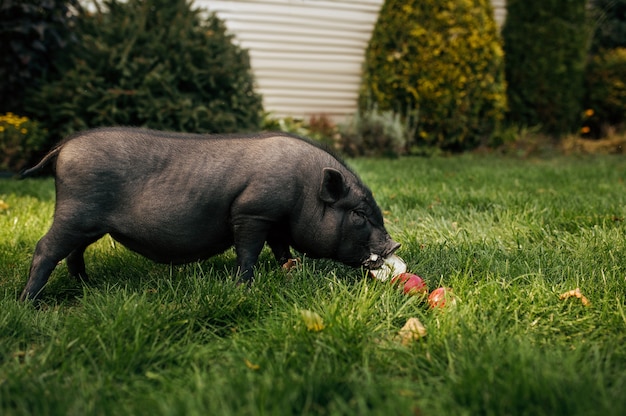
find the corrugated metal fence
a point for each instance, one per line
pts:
(306, 54)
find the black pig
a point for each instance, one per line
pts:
(178, 198)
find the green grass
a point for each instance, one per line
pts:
(507, 235)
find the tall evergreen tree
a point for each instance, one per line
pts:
(545, 44)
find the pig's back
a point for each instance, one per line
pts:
(139, 152)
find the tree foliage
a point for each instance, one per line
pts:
(609, 28)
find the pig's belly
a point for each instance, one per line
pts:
(177, 248)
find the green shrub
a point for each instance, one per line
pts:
(545, 47)
(319, 127)
(324, 130)
(31, 33)
(441, 62)
(367, 133)
(374, 133)
(605, 98)
(151, 63)
(20, 138)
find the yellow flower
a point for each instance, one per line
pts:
(589, 112)
(585, 130)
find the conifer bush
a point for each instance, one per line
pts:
(32, 32)
(440, 63)
(545, 48)
(151, 63)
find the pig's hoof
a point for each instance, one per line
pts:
(83, 278)
(31, 299)
(291, 264)
(246, 283)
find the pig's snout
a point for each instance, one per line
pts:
(376, 260)
(393, 246)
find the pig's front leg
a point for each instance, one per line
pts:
(278, 240)
(250, 236)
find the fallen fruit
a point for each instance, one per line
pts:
(312, 320)
(251, 365)
(576, 293)
(413, 284)
(291, 264)
(411, 331)
(441, 296)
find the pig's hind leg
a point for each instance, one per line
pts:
(76, 263)
(59, 243)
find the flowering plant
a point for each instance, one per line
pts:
(605, 98)
(20, 138)
(441, 63)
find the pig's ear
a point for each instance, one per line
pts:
(333, 186)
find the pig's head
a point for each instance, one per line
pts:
(352, 223)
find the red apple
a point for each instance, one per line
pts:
(413, 284)
(441, 296)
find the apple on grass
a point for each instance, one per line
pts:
(441, 297)
(412, 283)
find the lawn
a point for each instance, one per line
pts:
(509, 236)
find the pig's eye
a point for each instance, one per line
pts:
(358, 218)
